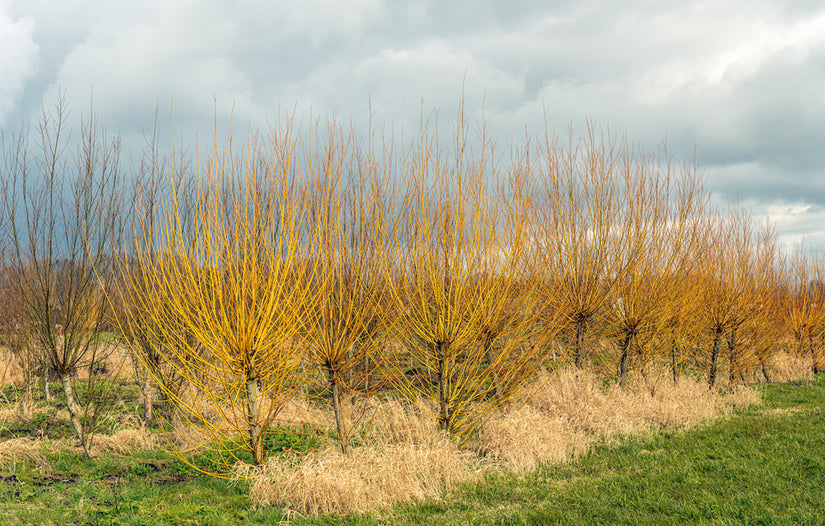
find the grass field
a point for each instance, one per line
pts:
(763, 465)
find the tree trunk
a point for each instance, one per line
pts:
(255, 429)
(145, 390)
(339, 413)
(674, 365)
(75, 414)
(164, 404)
(580, 328)
(625, 348)
(443, 388)
(714, 357)
(147, 402)
(765, 372)
(46, 389)
(733, 359)
(26, 399)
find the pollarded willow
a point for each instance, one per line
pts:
(465, 304)
(345, 322)
(221, 294)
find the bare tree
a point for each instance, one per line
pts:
(64, 222)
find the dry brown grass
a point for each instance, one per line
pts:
(298, 413)
(10, 370)
(25, 410)
(399, 422)
(522, 439)
(124, 442)
(372, 477)
(35, 450)
(404, 458)
(17, 413)
(579, 398)
(27, 449)
(787, 367)
(566, 414)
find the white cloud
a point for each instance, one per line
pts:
(18, 60)
(743, 81)
(739, 53)
(797, 223)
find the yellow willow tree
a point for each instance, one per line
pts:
(151, 186)
(680, 325)
(576, 239)
(727, 274)
(221, 294)
(465, 307)
(803, 302)
(756, 333)
(657, 225)
(345, 323)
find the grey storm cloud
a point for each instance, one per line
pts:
(741, 81)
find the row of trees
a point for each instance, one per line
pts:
(317, 260)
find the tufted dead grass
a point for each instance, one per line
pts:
(567, 413)
(124, 442)
(372, 477)
(522, 439)
(26, 449)
(579, 397)
(787, 367)
(402, 458)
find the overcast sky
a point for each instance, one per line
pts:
(742, 81)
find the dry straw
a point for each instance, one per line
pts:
(371, 477)
(404, 458)
(15, 451)
(124, 441)
(787, 367)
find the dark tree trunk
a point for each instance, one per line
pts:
(714, 357)
(256, 439)
(339, 412)
(765, 372)
(625, 348)
(733, 359)
(444, 418)
(581, 326)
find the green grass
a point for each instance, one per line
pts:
(765, 465)
(762, 466)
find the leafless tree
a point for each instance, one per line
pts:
(63, 220)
